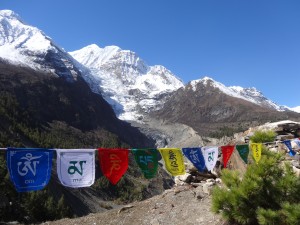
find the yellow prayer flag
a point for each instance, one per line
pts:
(173, 159)
(256, 151)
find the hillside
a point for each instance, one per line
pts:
(215, 111)
(43, 110)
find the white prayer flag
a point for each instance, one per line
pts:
(210, 154)
(76, 167)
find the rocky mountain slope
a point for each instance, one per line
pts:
(215, 110)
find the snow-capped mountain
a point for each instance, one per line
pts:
(25, 45)
(248, 94)
(120, 76)
(126, 81)
(296, 109)
(214, 110)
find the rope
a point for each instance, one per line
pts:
(53, 149)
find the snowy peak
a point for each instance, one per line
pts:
(109, 58)
(93, 56)
(9, 14)
(25, 45)
(248, 94)
(16, 33)
(296, 109)
(126, 81)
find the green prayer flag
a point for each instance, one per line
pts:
(243, 150)
(147, 160)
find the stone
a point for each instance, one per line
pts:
(178, 182)
(296, 164)
(185, 178)
(196, 184)
(207, 188)
(219, 181)
(211, 181)
(296, 171)
(199, 193)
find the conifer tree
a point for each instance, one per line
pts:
(268, 193)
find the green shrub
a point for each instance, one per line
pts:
(263, 136)
(268, 193)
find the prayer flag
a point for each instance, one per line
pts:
(113, 163)
(210, 154)
(196, 157)
(226, 152)
(173, 159)
(289, 146)
(29, 169)
(256, 151)
(243, 150)
(147, 161)
(76, 167)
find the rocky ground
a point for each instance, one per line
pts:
(188, 202)
(180, 205)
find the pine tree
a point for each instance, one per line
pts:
(268, 193)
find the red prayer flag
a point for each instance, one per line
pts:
(227, 152)
(113, 163)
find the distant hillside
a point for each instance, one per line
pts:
(214, 112)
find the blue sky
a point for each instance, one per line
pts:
(237, 42)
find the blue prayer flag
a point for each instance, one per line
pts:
(196, 157)
(289, 146)
(29, 169)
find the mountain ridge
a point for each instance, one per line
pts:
(249, 94)
(213, 113)
(121, 77)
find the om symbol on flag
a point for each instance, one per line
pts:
(27, 164)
